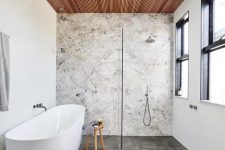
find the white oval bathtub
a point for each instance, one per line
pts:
(59, 128)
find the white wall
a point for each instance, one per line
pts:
(31, 25)
(203, 129)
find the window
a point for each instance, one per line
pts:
(181, 86)
(213, 51)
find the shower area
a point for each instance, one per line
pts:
(120, 67)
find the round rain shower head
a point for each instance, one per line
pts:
(150, 39)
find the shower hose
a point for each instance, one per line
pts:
(147, 110)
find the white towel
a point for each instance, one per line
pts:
(4, 72)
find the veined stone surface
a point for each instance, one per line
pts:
(89, 68)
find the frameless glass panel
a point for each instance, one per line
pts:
(217, 74)
(147, 82)
(186, 38)
(184, 79)
(219, 23)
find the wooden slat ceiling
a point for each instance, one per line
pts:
(115, 6)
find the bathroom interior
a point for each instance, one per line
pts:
(112, 74)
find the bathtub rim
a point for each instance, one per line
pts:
(46, 138)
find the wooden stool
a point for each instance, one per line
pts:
(96, 129)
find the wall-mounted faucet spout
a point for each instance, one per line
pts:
(39, 106)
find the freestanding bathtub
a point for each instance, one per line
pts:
(59, 128)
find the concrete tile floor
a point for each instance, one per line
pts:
(137, 143)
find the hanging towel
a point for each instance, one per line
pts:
(4, 72)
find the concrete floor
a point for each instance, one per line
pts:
(137, 143)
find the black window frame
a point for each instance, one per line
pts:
(180, 55)
(208, 45)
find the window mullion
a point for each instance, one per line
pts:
(183, 58)
(215, 46)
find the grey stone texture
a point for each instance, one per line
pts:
(89, 70)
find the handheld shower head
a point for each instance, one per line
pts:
(147, 110)
(146, 92)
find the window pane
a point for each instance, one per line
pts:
(178, 52)
(186, 38)
(184, 79)
(217, 75)
(219, 22)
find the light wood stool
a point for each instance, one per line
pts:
(96, 130)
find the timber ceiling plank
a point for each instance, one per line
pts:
(115, 6)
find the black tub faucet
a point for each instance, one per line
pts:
(39, 106)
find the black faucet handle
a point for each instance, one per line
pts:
(39, 105)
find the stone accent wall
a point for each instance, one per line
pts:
(89, 69)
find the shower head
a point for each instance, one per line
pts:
(150, 39)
